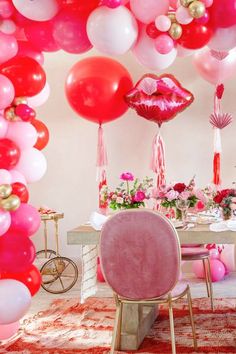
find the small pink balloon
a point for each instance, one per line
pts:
(8, 27)
(7, 92)
(214, 254)
(183, 16)
(3, 127)
(8, 47)
(207, 3)
(217, 270)
(6, 9)
(163, 23)
(5, 177)
(111, 3)
(25, 49)
(204, 19)
(164, 44)
(25, 112)
(5, 221)
(198, 269)
(26, 220)
(8, 330)
(16, 176)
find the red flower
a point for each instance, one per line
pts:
(221, 195)
(179, 187)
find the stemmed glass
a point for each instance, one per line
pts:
(183, 205)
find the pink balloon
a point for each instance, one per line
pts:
(32, 165)
(23, 134)
(215, 70)
(70, 33)
(198, 269)
(217, 270)
(163, 23)
(147, 55)
(146, 11)
(17, 252)
(26, 220)
(223, 39)
(227, 257)
(214, 253)
(164, 44)
(111, 3)
(5, 221)
(8, 330)
(7, 92)
(37, 10)
(8, 47)
(207, 3)
(183, 16)
(3, 127)
(6, 9)
(40, 98)
(39, 34)
(16, 176)
(5, 177)
(8, 27)
(173, 4)
(25, 49)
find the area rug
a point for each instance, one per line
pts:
(68, 327)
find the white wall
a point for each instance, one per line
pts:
(69, 184)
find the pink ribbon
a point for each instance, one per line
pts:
(158, 160)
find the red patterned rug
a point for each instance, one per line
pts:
(68, 327)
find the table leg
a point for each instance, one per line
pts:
(56, 236)
(45, 238)
(137, 319)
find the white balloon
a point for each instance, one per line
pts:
(37, 10)
(147, 55)
(40, 98)
(32, 165)
(184, 52)
(223, 39)
(16, 176)
(15, 300)
(112, 31)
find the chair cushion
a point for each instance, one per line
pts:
(179, 288)
(194, 252)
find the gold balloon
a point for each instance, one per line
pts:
(172, 17)
(9, 114)
(197, 9)
(19, 100)
(5, 190)
(185, 3)
(11, 203)
(175, 31)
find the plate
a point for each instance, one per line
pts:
(177, 224)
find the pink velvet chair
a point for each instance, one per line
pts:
(140, 258)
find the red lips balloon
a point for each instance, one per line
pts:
(158, 98)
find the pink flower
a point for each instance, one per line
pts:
(200, 195)
(171, 195)
(200, 206)
(119, 200)
(139, 196)
(184, 195)
(127, 176)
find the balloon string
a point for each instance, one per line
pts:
(158, 160)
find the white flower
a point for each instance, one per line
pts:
(119, 200)
(171, 195)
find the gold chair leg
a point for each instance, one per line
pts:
(172, 328)
(206, 277)
(210, 283)
(191, 318)
(116, 334)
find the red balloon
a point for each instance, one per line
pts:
(21, 191)
(17, 252)
(31, 278)
(158, 98)
(43, 134)
(152, 31)
(27, 76)
(40, 35)
(223, 13)
(25, 49)
(195, 35)
(95, 89)
(9, 154)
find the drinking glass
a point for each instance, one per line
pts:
(183, 205)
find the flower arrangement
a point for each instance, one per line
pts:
(226, 200)
(127, 195)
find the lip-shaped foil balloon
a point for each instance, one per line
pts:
(158, 98)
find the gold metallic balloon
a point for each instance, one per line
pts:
(9, 114)
(5, 190)
(175, 31)
(186, 3)
(171, 16)
(11, 203)
(197, 9)
(19, 100)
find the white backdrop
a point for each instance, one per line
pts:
(69, 184)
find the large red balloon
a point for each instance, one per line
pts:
(9, 154)
(21, 191)
(223, 13)
(17, 252)
(195, 35)
(43, 134)
(26, 74)
(31, 278)
(95, 89)
(158, 98)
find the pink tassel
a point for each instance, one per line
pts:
(101, 149)
(158, 160)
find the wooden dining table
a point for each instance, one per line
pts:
(137, 319)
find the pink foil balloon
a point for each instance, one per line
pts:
(3, 127)
(26, 220)
(8, 47)
(5, 177)
(146, 11)
(164, 44)
(16, 176)
(23, 134)
(9, 330)
(26, 49)
(214, 70)
(5, 221)
(6, 9)
(7, 92)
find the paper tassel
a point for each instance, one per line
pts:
(216, 169)
(158, 160)
(101, 167)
